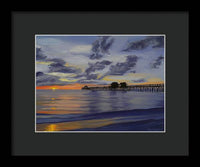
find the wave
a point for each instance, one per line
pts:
(144, 125)
(136, 114)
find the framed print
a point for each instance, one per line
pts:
(100, 83)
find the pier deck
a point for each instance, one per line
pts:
(149, 87)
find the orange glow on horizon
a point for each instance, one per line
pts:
(79, 86)
(71, 86)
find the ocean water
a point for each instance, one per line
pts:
(87, 110)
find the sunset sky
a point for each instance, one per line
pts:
(70, 62)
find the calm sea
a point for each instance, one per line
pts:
(86, 110)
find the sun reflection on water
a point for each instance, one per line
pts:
(51, 127)
(74, 125)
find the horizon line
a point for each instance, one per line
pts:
(78, 86)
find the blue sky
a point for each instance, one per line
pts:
(62, 60)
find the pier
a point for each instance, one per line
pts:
(146, 87)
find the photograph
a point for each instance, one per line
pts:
(96, 83)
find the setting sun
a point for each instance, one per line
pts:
(70, 86)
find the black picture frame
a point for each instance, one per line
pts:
(24, 26)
